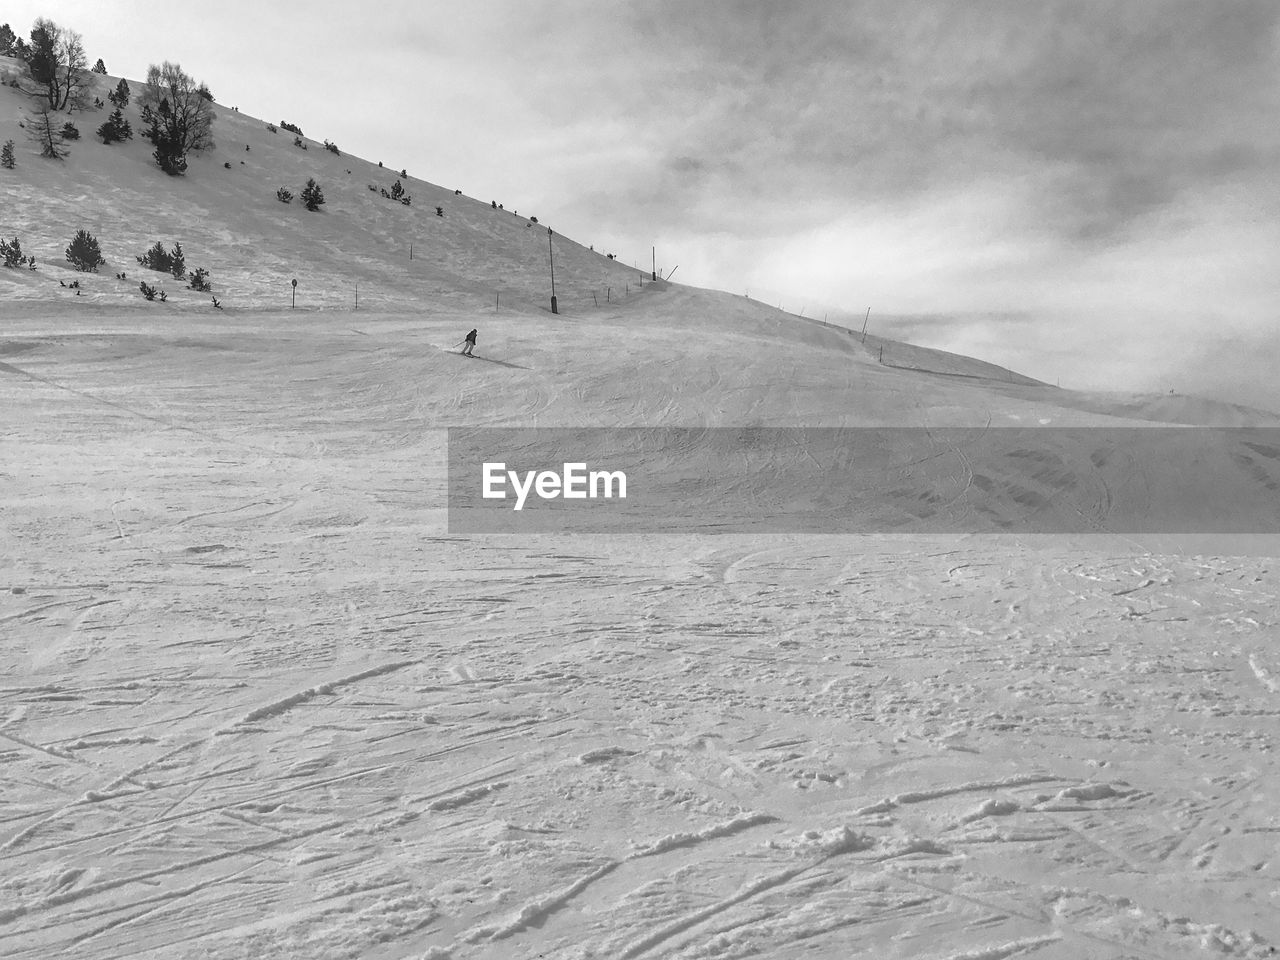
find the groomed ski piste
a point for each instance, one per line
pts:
(258, 701)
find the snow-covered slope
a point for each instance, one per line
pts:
(229, 220)
(257, 699)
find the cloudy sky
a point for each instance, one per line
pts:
(1085, 189)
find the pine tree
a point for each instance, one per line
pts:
(312, 195)
(83, 253)
(120, 95)
(156, 258)
(11, 253)
(177, 262)
(115, 128)
(200, 280)
(99, 67)
(6, 155)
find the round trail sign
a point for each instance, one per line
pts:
(295, 283)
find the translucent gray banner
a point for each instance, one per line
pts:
(864, 480)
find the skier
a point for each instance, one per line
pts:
(470, 344)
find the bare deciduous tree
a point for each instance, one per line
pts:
(58, 63)
(185, 116)
(44, 130)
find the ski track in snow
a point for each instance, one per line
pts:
(478, 795)
(258, 701)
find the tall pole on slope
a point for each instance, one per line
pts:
(864, 325)
(552, 259)
(654, 265)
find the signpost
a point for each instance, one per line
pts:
(295, 295)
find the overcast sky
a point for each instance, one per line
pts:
(1096, 178)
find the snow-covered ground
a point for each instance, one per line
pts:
(258, 701)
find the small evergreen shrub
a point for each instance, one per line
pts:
(83, 252)
(156, 258)
(99, 67)
(272, 127)
(11, 252)
(439, 211)
(200, 280)
(165, 261)
(284, 195)
(115, 128)
(148, 291)
(6, 155)
(297, 142)
(331, 147)
(70, 131)
(312, 195)
(292, 128)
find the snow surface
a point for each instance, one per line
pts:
(257, 701)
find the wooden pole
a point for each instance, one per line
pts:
(864, 326)
(552, 258)
(654, 251)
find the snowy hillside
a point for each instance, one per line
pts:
(257, 699)
(229, 220)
